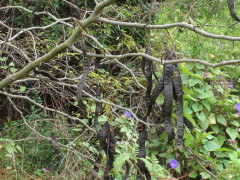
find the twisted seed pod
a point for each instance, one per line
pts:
(178, 96)
(232, 11)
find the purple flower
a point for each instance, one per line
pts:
(173, 163)
(205, 74)
(127, 114)
(237, 106)
(231, 141)
(219, 76)
(231, 84)
(239, 116)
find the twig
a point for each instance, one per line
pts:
(213, 65)
(197, 157)
(34, 28)
(167, 26)
(46, 108)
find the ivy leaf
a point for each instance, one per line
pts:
(201, 116)
(187, 110)
(205, 175)
(197, 107)
(222, 120)
(189, 117)
(211, 146)
(192, 82)
(232, 132)
(233, 156)
(235, 123)
(203, 95)
(193, 175)
(207, 105)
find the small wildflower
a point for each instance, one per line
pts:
(237, 106)
(173, 163)
(205, 74)
(219, 76)
(239, 113)
(127, 114)
(231, 84)
(231, 141)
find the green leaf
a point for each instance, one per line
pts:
(192, 82)
(205, 124)
(193, 175)
(189, 117)
(203, 95)
(184, 69)
(189, 97)
(232, 132)
(205, 175)
(160, 99)
(102, 119)
(233, 156)
(211, 146)
(187, 110)
(220, 139)
(119, 161)
(198, 77)
(203, 136)
(224, 149)
(235, 123)
(22, 88)
(212, 119)
(215, 128)
(3, 58)
(207, 105)
(9, 149)
(188, 139)
(221, 120)
(11, 64)
(200, 66)
(197, 107)
(19, 148)
(13, 70)
(201, 116)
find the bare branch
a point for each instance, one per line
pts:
(39, 134)
(34, 28)
(35, 13)
(213, 65)
(24, 120)
(86, 93)
(71, 4)
(167, 26)
(58, 49)
(46, 108)
(115, 60)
